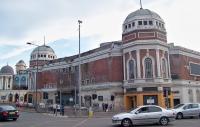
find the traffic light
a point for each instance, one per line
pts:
(112, 97)
(94, 96)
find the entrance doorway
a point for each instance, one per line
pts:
(133, 102)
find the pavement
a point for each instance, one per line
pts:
(98, 114)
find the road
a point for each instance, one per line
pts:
(44, 120)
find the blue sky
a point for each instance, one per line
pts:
(30, 20)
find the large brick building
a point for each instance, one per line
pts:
(140, 69)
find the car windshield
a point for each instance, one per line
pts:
(178, 106)
(8, 107)
(134, 110)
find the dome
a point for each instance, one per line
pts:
(7, 70)
(21, 62)
(43, 52)
(143, 24)
(143, 14)
(43, 48)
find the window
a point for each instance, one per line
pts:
(133, 24)
(148, 68)
(125, 27)
(154, 109)
(156, 23)
(159, 24)
(100, 98)
(131, 69)
(143, 110)
(164, 68)
(150, 22)
(139, 22)
(195, 106)
(45, 95)
(145, 22)
(129, 25)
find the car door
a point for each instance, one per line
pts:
(154, 114)
(187, 110)
(141, 116)
(195, 110)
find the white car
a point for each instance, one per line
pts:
(187, 110)
(148, 114)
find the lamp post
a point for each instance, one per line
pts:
(79, 65)
(29, 43)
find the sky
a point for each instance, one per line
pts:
(24, 21)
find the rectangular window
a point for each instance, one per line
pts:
(145, 22)
(125, 27)
(100, 98)
(129, 25)
(150, 22)
(133, 24)
(139, 22)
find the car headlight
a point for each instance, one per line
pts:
(115, 118)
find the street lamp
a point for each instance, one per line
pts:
(79, 65)
(29, 43)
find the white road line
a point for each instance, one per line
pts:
(80, 124)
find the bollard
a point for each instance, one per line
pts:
(90, 114)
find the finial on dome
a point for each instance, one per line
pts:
(44, 40)
(141, 4)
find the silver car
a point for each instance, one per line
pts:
(187, 110)
(148, 114)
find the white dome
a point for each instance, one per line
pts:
(43, 52)
(143, 19)
(143, 14)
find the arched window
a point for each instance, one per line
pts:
(164, 68)
(190, 92)
(131, 69)
(148, 68)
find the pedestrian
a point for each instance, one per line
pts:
(54, 108)
(106, 107)
(103, 106)
(62, 110)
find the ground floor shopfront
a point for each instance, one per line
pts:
(134, 99)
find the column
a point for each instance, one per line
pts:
(138, 63)
(168, 63)
(158, 62)
(124, 66)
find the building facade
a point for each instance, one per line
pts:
(141, 69)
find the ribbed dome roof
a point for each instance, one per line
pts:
(21, 62)
(7, 70)
(43, 48)
(142, 14)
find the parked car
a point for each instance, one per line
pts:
(8, 112)
(148, 114)
(187, 110)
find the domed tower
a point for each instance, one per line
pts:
(143, 24)
(6, 77)
(20, 66)
(145, 60)
(42, 54)
(7, 70)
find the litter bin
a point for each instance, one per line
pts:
(90, 114)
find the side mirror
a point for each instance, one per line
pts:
(136, 112)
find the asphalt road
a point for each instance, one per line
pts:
(45, 120)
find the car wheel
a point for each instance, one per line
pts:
(164, 121)
(126, 122)
(14, 119)
(179, 116)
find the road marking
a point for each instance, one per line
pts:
(80, 124)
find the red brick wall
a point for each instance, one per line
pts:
(179, 63)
